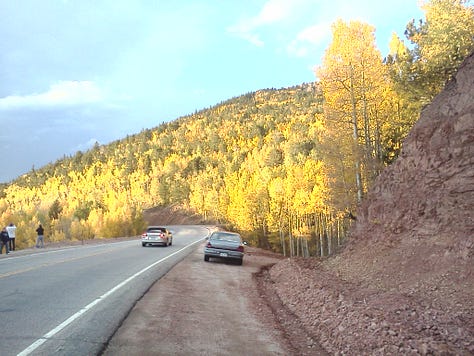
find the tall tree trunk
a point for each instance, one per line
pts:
(355, 136)
(282, 240)
(290, 236)
(297, 242)
(306, 248)
(338, 227)
(321, 236)
(329, 233)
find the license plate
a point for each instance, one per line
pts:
(223, 254)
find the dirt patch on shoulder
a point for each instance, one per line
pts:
(205, 308)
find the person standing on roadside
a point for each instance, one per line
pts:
(40, 238)
(4, 241)
(11, 229)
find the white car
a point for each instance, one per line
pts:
(157, 235)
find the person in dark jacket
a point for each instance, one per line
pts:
(40, 238)
(4, 241)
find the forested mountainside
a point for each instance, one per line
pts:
(287, 167)
(257, 162)
(238, 162)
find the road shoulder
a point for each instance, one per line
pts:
(203, 308)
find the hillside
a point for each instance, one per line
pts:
(255, 162)
(404, 284)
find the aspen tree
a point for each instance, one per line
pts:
(439, 43)
(353, 80)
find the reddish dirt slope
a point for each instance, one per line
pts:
(405, 282)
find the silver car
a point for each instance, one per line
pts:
(157, 235)
(224, 245)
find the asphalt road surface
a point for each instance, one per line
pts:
(70, 301)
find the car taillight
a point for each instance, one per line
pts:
(240, 248)
(208, 244)
(144, 234)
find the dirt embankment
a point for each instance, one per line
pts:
(405, 282)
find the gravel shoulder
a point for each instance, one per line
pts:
(208, 308)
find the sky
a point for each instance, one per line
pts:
(77, 72)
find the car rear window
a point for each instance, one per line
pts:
(156, 230)
(226, 237)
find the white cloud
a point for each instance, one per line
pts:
(252, 38)
(273, 11)
(315, 34)
(309, 37)
(64, 93)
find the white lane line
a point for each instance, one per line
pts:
(84, 310)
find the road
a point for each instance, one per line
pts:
(70, 301)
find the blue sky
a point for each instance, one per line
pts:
(76, 72)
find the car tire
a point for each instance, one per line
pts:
(143, 244)
(206, 258)
(239, 262)
(171, 242)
